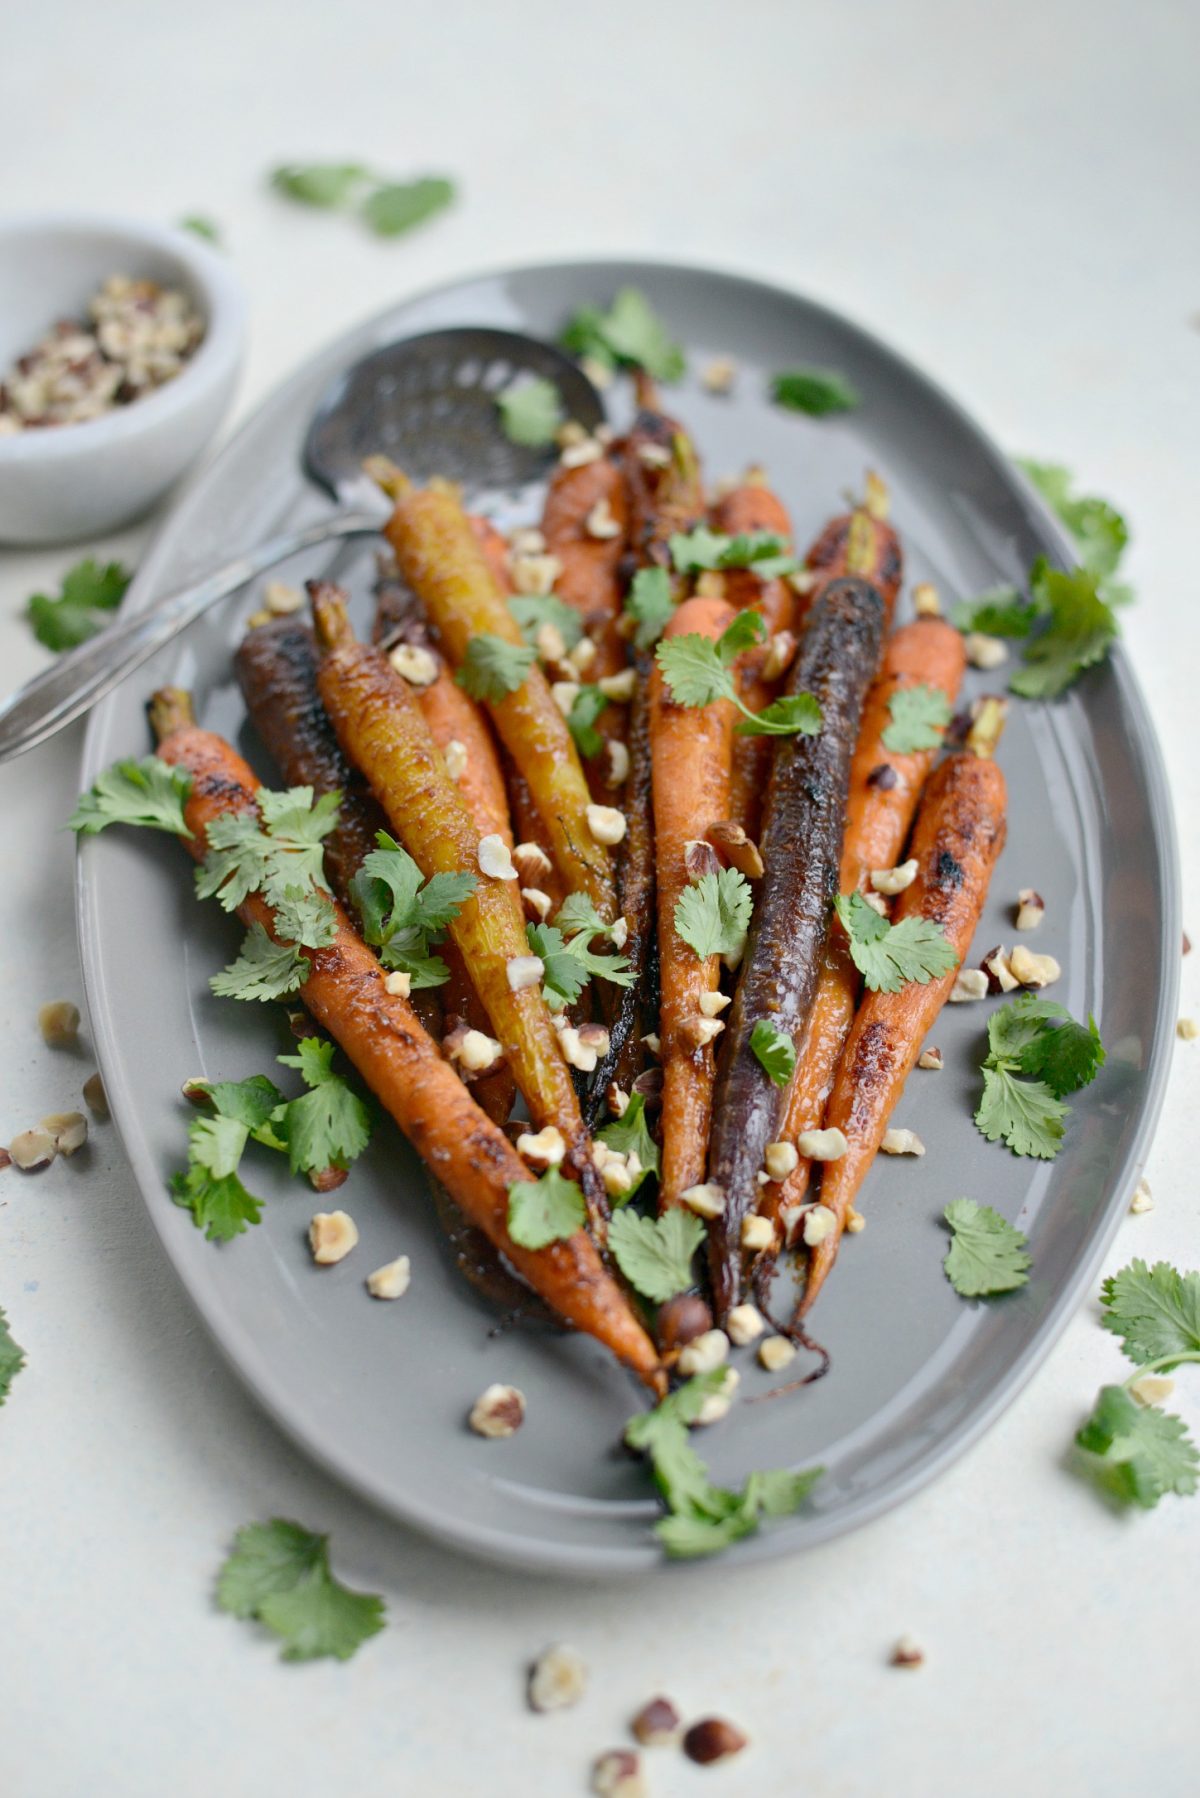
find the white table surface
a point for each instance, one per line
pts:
(1009, 195)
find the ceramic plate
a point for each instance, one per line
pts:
(378, 1393)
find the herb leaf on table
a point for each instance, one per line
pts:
(89, 592)
(12, 1357)
(279, 1574)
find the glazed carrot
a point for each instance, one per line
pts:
(528, 828)
(495, 550)
(662, 472)
(346, 993)
(442, 562)
(885, 785)
(589, 580)
(380, 727)
(691, 756)
(861, 542)
(958, 836)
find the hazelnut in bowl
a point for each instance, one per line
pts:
(120, 347)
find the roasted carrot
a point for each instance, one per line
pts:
(381, 728)
(589, 579)
(862, 543)
(495, 550)
(442, 562)
(662, 472)
(346, 993)
(958, 836)
(801, 847)
(885, 785)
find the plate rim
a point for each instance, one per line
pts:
(499, 1546)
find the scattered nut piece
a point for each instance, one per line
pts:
(908, 1653)
(731, 841)
(617, 1099)
(526, 541)
(392, 1280)
(576, 1052)
(1141, 1202)
(495, 858)
(618, 933)
(926, 603)
(618, 1774)
(280, 599)
(535, 575)
(331, 1236)
(883, 776)
(32, 1150)
(1031, 909)
(95, 1097)
(718, 1404)
(758, 1234)
(1152, 1389)
(819, 1222)
(257, 619)
(703, 1353)
(700, 858)
(931, 1058)
(327, 1179)
(706, 1200)
(654, 455)
(474, 1051)
(67, 1129)
(564, 693)
(780, 654)
(894, 880)
(499, 1411)
(856, 1223)
(582, 656)
(195, 1091)
(398, 984)
(719, 375)
(901, 1142)
(971, 984)
(618, 763)
(558, 1678)
(5, 1159)
(745, 1324)
(600, 522)
(710, 584)
(538, 903)
(578, 455)
(658, 1723)
(606, 824)
(523, 971)
(700, 1031)
(988, 717)
(598, 373)
(781, 1159)
(59, 1024)
(546, 1149)
(713, 1004)
(877, 902)
(821, 1145)
(619, 687)
(1033, 970)
(652, 1042)
(1187, 1029)
(456, 759)
(418, 666)
(682, 1319)
(549, 642)
(997, 965)
(775, 1353)
(712, 1740)
(984, 651)
(532, 862)
(570, 433)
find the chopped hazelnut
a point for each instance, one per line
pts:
(532, 861)
(499, 1411)
(617, 1099)
(894, 880)
(719, 375)
(32, 1150)
(580, 659)
(618, 1774)
(971, 984)
(700, 1031)
(907, 1653)
(758, 1234)
(718, 1404)
(618, 763)
(549, 642)
(706, 1200)
(558, 1678)
(856, 1223)
(819, 1222)
(495, 858)
(926, 603)
(535, 575)
(984, 651)
(745, 1325)
(780, 654)
(932, 1059)
(398, 984)
(456, 759)
(605, 823)
(821, 1145)
(526, 541)
(731, 841)
(95, 1097)
(713, 1004)
(280, 599)
(392, 1280)
(652, 1042)
(68, 1129)
(546, 1149)
(988, 717)
(576, 1053)
(699, 858)
(1033, 970)
(570, 433)
(1152, 1389)
(712, 1740)
(682, 1319)
(331, 1236)
(877, 903)
(1187, 1029)
(475, 1051)
(1031, 909)
(1141, 1202)
(418, 666)
(598, 373)
(775, 1353)
(704, 1353)
(901, 1142)
(618, 933)
(538, 903)
(600, 522)
(327, 1179)
(618, 687)
(654, 455)
(564, 693)
(781, 1159)
(257, 619)
(523, 971)
(657, 1724)
(5, 1159)
(59, 1024)
(578, 455)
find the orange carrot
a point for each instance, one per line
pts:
(453, 717)
(958, 836)
(589, 579)
(495, 550)
(860, 542)
(691, 754)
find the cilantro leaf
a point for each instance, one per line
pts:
(1024, 1114)
(493, 667)
(569, 965)
(698, 670)
(693, 669)
(791, 715)
(816, 391)
(1144, 1452)
(402, 915)
(999, 612)
(219, 1204)
(655, 1253)
(1100, 532)
(252, 1102)
(630, 1133)
(328, 1126)
(200, 226)
(263, 969)
(325, 184)
(276, 851)
(629, 335)
(774, 1050)
(532, 610)
(12, 1357)
(1079, 633)
(919, 718)
(712, 914)
(887, 955)
(279, 1573)
(546, 1210)
(766, 552)
(1154, 1310)
(650, 603)
(577, 912)
(987, 1255)
(398, 206)
(150, 793)
(531, 412)
(586, 707)
(89, 592)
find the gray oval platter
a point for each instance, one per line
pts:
(378, 1393)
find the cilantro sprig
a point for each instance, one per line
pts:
(703, 1518)
(774, 1051)
(1002, 611)
(630, 1135)
(1037, 1056)
(549, 1209)
(89, 592)
(814, 391)
(150, 793)
(628, 335)
(650, 604)
(988, 1254)
(586, 707)
(655, 1253)
(402, 914)
(699, 670)
(1141, 1452)
(1100, 533)
(889, 956)
(389, 208)
(1078, 629)
(919, 717)
(278, 1574)
(532, 610)
(493, 667)
(765, 552)
(531, 412)
(712, 914)
(12, 1357)
(568, 959)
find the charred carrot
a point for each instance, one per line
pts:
(442, 562)
(862, 543)
(801, 848)
(691, 757)
(380, 726)
(346, 993)
(885, 785)
(958, 836)
(662, 471)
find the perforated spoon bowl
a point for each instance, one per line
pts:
(428, 402)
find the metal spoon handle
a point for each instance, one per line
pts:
(73, 683)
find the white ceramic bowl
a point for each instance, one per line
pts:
(76, 480)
